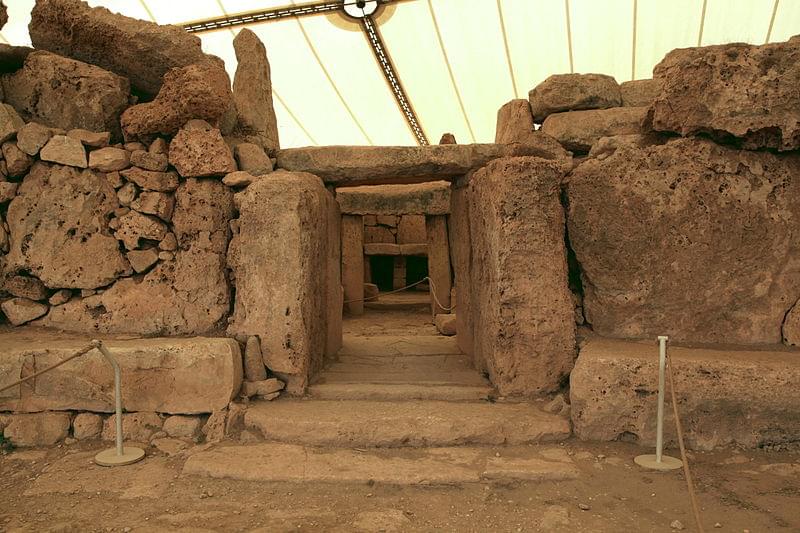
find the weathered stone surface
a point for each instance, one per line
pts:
(606, 146)
(13, 57)
(141, 51)
(361, 165)
(136, 427)
(198, 91)
(157, 162)
(40, 429)
(253, 159)
(380, 248)
(181, 426)
(153, 181)
(579, 130)
(791, 327)
(514, 122)
(60, 297)
(447, 138)
(134, 226)
(159, 146)
(109, 159)
(8, 191)
(187, 295)
(87, 426)
(252, 93)
(461, 258)
(141, 260)
(422, 198)
(126, 195)
(639, 93)
(180, 376)
(445, 324)
(266, 387)
(282, 234)
(352, 259)
(17, 161)
(65, 93)
(524, 328)
(571, 92)
(25, 287)
(238, 179)
(18, 311)
(59, 231)
(64, 151)
(373, 234)
(732, 91)
(93, 139)
(10, 122)
(680, 208)
(726, 396)
(254, 369)
(3, 15)
(160, 204)
(439, 270)
(32, 137)
(198, 150)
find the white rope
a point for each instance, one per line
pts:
(432, 291)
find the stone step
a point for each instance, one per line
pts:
(395, 345)
(400, 391)
(363, 423)
(272, 462)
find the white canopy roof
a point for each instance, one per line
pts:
(458, 60)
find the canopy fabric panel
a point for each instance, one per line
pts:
(457, 61)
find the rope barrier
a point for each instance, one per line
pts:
(433, 293)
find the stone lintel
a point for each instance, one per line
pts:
(411, 199)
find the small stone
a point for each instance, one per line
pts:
(114, 179)
(121, 211)
(64, 151)
(135, 226)
(8, 191)
(60, 297)
(446, 323)
(141, 260)
(10, 122)
(166, 256)
(134, 146)
(254, 369)
(448, 138)
(25, 287)
(18, 311)
(69, 441)
(150, 180)
(583, 507)
(150, 161)
(17, 161)
(239, 178)
(85, 293)
(676, 524)
(159, 146)
(253, 159)
(198, 150)
(155, 203)
(717, 525)
(262, 388)
(127, 194)
(109, 159)
(169, 243)
(32, 137)
(137, 427)
(90, 138)
(87, 426)
(183, 426)
(37, 429)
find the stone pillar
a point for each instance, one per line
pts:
(334, 294)
(524, 324)
(353, 262)
(438, 261)
(460, 255)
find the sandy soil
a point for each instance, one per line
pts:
(60, 489)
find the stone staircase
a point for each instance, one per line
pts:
(400, 410)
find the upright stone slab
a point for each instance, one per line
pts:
(335, 292)
(279, 258)
(461, 258)
(523, 316)
(439, 263)
(353, 263)
(252, 93)
(688, 239)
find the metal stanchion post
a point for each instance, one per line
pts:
(659, 461)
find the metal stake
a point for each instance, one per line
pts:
(119, 455)
(659, 461)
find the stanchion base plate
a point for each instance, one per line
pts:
(130, 455)
(649, 461)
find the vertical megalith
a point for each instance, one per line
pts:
(353, 262)
(439, 263)
(523, 317)
(252, 93)
(460, 254)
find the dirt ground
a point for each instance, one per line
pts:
(59, 489)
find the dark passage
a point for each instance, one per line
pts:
(416, 268)
(382, 268)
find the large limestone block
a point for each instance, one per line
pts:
(65, 93)
(638, 93)
(578, 131)
(735, 90)
(18, 311)
(726, 396)
(461, 259)
(362, 165)
(439, 271)
(353, 263)
(524, 328)
(59, 229)
(688, 239)
(282, 236)
(571, 92)
(411, 229)
(515, 125)
(138, 50)
(421, 198)
(186, 376)
(189, 295)
(198, 91)
(40, 429)
(252, 93)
